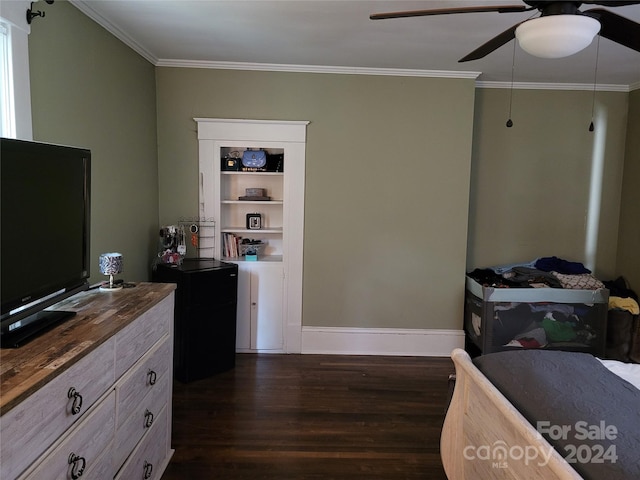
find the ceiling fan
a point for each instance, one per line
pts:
(560, 30)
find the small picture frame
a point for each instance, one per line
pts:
(231, 162)
(254, 221)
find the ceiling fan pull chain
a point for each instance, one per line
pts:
(513, 67)
(595, 80)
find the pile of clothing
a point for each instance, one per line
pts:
(535, 325)
(545, 272)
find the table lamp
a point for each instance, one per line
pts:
(110, 264)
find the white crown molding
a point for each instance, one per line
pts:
(85, 7)
(276, 67)
(554, 86)
(634, 86)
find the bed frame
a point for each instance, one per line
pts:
(485, 437)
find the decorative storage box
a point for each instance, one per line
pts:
(497, 319)
(255, 192)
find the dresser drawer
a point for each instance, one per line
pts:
(37, 422)
(86, 450)
(151, 456)
(142, 419)
(133, 341)
(145, 377)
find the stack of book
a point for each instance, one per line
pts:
(231, 245)
(234, 246)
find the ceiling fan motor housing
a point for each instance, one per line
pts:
(555, 8)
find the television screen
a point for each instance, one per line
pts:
(44, 232)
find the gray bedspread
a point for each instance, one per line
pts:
(590, 415)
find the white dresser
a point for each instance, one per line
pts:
(92, 397)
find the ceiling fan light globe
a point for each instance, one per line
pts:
(557, 36)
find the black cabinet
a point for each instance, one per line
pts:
(205, 316)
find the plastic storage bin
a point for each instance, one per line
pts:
(497, 319)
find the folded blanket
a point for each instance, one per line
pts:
(584, 281)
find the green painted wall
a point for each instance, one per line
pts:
(628, 261)
(389, 193)
(532, 191)
(89, 89)
(387, 181)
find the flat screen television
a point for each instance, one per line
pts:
(44, 249)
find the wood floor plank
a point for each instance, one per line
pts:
(280, 417)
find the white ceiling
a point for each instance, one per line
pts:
(311, 35)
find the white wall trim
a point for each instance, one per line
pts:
(554, 86)
(15, 13)
(277, 67)
(397, 72)
(381, 341)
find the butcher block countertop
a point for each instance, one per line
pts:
(100, 315)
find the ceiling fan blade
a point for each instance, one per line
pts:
(447, 11)
(617, 28)
(493, 44)
(613, 3)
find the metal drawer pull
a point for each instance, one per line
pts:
(148, 418)
(147, 468)
(77, 400)
(152, 377)
(78, 463)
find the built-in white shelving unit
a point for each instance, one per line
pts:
(269, 287)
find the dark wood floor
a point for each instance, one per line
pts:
(279, 417)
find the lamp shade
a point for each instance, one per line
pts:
(111, 263)
(557, 36)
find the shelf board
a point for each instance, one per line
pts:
(252, 202)
(263, 258)
(277, 230)
(231, 172)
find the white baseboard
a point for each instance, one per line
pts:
(381, 341)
